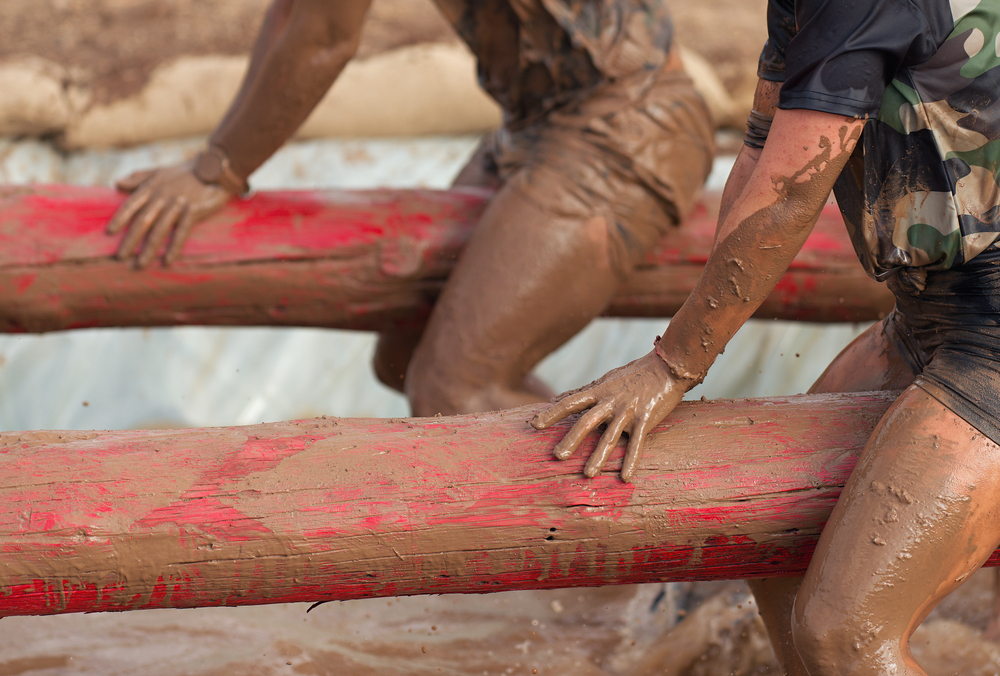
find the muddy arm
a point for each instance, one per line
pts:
(765, 103)
(301, 50)
(756, 242)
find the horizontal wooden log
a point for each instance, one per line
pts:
(357, 260)
(342, 509)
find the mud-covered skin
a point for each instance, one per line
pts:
(595, 163)
(300, 51)
(631, 396)
(164, 204)
(918, 514)
(869, 363)
(763, 229)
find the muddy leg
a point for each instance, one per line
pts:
(869, 363)
(393, 353)
(395, 347)
(917, 516)
(527, 282)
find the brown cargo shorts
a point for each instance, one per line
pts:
(636, 151)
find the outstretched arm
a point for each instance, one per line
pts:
(301, 49)
(761, 231)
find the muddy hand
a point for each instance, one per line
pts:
(632, 399)
(164, 204)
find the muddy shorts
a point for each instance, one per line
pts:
(946, 326)
(636, 151)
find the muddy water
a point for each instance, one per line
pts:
(701, 629)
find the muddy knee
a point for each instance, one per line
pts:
(840, 639)
(436, 386)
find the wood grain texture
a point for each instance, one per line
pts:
(341, 509)
(363, 260)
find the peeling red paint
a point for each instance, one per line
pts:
(357, 260)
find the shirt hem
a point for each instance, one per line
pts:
(825, 103)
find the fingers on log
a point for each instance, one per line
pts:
(607, 444)
(566, 406)
(587, 423)
(634, 451)
(160, 232)
(127, 211)
(180, 236)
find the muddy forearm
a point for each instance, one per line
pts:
(765, 103)
(740, 273)
(301, 49)
(762, 232)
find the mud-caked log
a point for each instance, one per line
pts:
(341, 509)
(366, 260)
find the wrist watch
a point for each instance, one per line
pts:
(212, 168)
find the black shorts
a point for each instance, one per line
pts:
(946, 326)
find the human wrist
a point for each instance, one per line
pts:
(213, 167)
(758, 127)
(676, 367)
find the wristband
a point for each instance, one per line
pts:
(212, 167)
(677, 372)
(758, 125)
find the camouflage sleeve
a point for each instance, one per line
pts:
(780, 30)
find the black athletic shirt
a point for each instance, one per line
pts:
(838, 56)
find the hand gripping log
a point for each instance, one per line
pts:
(340, 509)
(364, 260)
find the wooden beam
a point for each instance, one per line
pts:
(342, 509)
(356, 260)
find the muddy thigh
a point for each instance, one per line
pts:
(917, 516)
(870, 362)
(531, 277)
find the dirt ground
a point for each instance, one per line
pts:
(114, 45)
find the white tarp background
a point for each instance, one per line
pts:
(192, 376)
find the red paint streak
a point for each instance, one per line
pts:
(203, 515)
(23, 282)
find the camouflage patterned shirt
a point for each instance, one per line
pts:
(922, 187)
(536, 54)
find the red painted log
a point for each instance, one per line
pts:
(343, 509)
(356, 260)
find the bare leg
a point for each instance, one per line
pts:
(395, 347)
(869, 363)
(917, 516)
(393, 353)
(527, 282)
